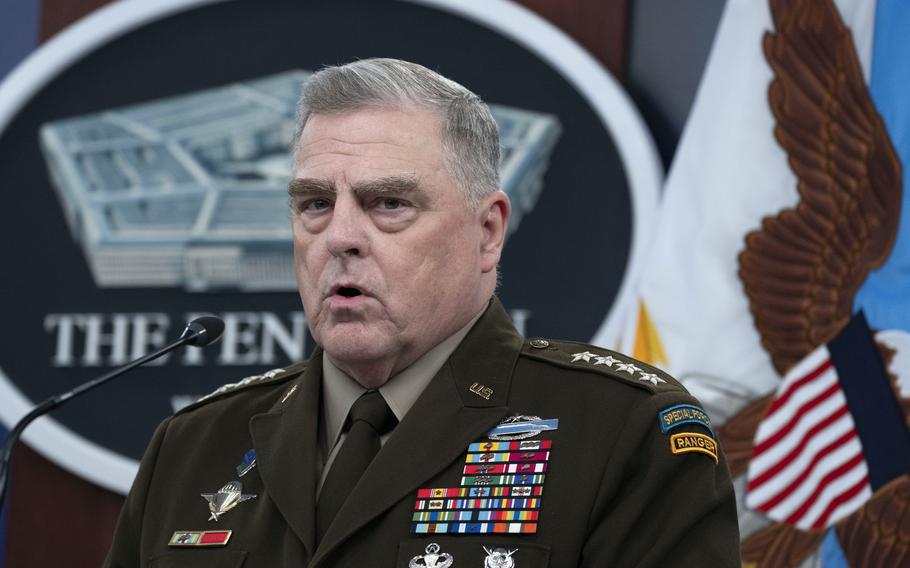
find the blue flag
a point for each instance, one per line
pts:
(885, 296)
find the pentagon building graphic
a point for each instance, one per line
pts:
(191, 191)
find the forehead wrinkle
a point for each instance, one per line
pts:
(334, 142)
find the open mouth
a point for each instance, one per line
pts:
(348, 292)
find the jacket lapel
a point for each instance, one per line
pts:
(285, 440)
(439, 427)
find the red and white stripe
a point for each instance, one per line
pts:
(807, 467)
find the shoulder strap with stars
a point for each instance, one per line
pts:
(581, 356)
(273, 376)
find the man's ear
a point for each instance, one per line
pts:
(494, 211)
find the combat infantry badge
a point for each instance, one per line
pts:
(225, 499)
(432, 558)
(520, 427)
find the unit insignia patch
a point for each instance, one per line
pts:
(674, 416)
(686, 442)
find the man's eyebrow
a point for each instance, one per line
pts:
(305, 186)
(399, 184)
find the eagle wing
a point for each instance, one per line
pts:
(878, 534)
(737, 434)
(779, 546)
(802, 268)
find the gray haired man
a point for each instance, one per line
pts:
(424, 431)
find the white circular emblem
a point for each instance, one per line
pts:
(605, 96)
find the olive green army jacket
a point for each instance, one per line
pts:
(632, 476)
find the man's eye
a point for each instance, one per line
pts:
(391, 203)
(317, 205)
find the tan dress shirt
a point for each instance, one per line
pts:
(339, 391)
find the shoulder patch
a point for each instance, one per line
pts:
(687, 442)
(271, 376)
(588, 357)
(680, 414)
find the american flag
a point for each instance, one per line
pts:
(808, 468)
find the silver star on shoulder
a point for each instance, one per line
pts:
(242, 383)
(652, 378)
(583, 356)
(271, 374)
(608, 360)
(628, 367)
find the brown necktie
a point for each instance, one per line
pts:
(369, 418)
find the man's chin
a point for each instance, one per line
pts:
(354, 345)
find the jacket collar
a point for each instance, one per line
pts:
(466, 398)
(285, 441)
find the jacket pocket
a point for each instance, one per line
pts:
(193, 558)
(472, 551)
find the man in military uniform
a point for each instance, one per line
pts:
(424, 431)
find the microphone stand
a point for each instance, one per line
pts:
(190, 335)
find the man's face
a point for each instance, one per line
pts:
(390, 259)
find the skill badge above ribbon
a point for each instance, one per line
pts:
(520, 427)
(500, 488)
(225, 499)
(219, 502)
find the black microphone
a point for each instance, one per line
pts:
(203, 330)
(200, 332)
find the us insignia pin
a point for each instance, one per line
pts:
(499, 558)
(482, 391)
(225, 499)
(432, 559)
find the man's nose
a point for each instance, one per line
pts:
(346, 234)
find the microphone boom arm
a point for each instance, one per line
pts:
(194, 334)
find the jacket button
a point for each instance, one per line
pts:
(538, 343)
